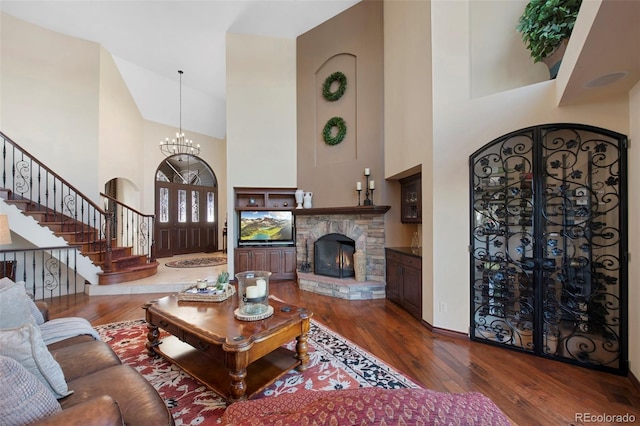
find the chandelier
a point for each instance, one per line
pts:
(179, 144)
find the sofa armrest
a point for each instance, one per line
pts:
(44, 309)
(99, 411)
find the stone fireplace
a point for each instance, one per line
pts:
(364, 225)
(333, 256)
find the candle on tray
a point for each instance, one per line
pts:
(358, 186)
(252, 292)
(372, 185)
(262, 287)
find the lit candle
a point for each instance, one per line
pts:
(252, 292)
(367, 172)
(359, 186)
(372, 185)
(262, 287)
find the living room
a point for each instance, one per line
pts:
(428, 110)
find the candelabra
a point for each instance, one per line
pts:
(369, 186)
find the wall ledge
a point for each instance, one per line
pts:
(342, 210)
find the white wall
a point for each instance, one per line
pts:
(261, 116)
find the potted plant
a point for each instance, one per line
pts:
(546, 26)
(223, 280)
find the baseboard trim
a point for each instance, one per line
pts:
(444, 331)
(634, 381)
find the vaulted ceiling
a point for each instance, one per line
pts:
(151, 40)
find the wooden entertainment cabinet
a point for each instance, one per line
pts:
(279, 259)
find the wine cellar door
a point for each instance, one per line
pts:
(549, 244)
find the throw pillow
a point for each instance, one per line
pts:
(14, 305)
(25, 345)
(33, 308)
(23, 398)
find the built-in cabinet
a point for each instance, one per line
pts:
(280, 260)
(548, 244)
(411, 199)
(404, 278)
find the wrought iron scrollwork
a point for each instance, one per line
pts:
(546, 243)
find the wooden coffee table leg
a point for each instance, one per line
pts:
(238, 386)
(153, 335)
(237, 363)
(301, 352)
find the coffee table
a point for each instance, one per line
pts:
(236, 359)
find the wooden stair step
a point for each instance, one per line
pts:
(143, 271)
(77, 237)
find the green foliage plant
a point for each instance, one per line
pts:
(545, 24)
(223, 278)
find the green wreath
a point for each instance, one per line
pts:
(342, 131)
(326, 86)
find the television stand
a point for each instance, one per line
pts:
(280, 260)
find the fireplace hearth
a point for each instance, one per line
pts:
(333, 255)
(364, 225)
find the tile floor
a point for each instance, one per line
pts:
(166, 280)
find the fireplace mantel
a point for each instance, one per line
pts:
(342, 210)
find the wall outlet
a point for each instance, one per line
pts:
(443, 307)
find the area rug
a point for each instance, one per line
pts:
(334, 363)
(197, 262)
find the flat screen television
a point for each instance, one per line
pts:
(268, 227)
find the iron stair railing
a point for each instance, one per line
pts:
(28, 180)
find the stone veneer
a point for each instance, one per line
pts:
(363, 224)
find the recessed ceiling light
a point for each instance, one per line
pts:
(606, 79)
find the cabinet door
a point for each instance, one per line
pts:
(412, 290)
(289, 260)
(275, 261)
(394, 277)
(411, 199)
(243, 260)
(259, 260)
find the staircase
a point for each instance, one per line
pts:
(125, 256)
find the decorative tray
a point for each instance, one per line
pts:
(209, 294)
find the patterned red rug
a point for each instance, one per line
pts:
(334, 363)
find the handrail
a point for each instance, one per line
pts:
(131, 227)
(40, 165)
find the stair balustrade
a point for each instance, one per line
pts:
(48, 272)
(131, 228)
(115, 239)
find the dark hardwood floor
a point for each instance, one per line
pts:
(530, 390)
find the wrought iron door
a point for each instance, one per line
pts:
(548, 244)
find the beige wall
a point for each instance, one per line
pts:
(408, 119)
(261, 116)
(331, 172)
(64, 101)
(462, 125)
(634, 231)
(50, 90)
(120, 131)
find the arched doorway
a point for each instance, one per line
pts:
(186, 206)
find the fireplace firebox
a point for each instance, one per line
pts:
(333, 256)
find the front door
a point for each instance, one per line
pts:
(186, 208)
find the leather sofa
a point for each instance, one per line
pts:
(58, 372)
(105, 392)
